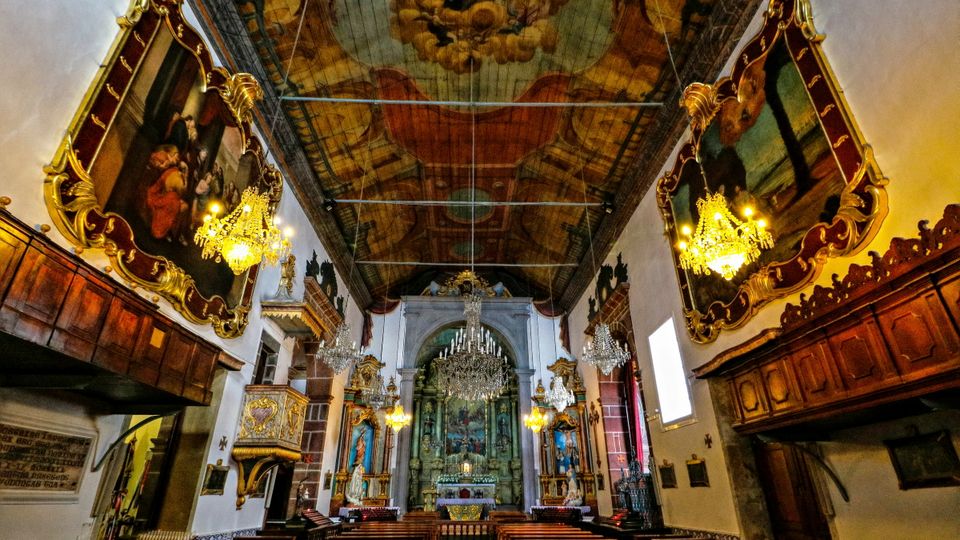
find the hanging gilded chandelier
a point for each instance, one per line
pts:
(559, 396)
(604, 352)
(536, 420)
(722, 242)
(397, 419)
(245, 236)
(341, 352)
(473, 366)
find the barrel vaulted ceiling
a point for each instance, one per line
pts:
(555, 184)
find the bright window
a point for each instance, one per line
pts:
(669, 374)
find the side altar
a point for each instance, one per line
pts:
(568, 446)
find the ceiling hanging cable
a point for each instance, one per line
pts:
(666, 42)
(603, 351)
(286, 73)
(473, 367)
(473, 172)
(559, 396)
(343, 350)
(537, 420)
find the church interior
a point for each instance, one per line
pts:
(480, 269)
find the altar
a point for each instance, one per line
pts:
(466, 490)
(466, 497)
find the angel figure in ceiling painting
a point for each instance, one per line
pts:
(460, 34)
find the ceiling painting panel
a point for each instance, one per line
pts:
(457, 52)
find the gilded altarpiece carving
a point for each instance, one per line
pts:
(450, 432)
(566, 448)
(364, 441)
(775, 135)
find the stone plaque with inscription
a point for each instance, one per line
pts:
(39, 460)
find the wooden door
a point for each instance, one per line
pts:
(792, 500)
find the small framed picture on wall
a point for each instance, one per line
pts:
(924, 461)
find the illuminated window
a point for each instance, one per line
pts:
(669, 374)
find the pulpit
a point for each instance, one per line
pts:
(271, 427)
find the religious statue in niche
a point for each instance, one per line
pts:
(428, 420)
(568, 455)
(503, 428)
(573, 496)
(355, 489)
(361, 445)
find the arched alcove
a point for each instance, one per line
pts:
(448, 432)
(426, 319)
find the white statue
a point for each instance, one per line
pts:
(355, 487)
(573, 498)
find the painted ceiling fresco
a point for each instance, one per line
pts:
(567, 51)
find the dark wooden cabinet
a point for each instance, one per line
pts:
(920, 335)
(816, 372)
(860, 355)
(121, 331)
(150, 348)
(200, 374)
(53, 299)
(176, 361)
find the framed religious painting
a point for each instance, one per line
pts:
(776, 141)
(162, 136)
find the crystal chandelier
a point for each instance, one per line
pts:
(397, 419)
(340, 353)
(604, 352)
(374, 394)
(536, 420)
(559, 395)
(722, 242)
(473, 366)
(245, 236)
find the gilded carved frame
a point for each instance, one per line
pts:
(70, 191)
(862, 202)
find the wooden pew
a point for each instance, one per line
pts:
(392, 530)
(552, 531)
